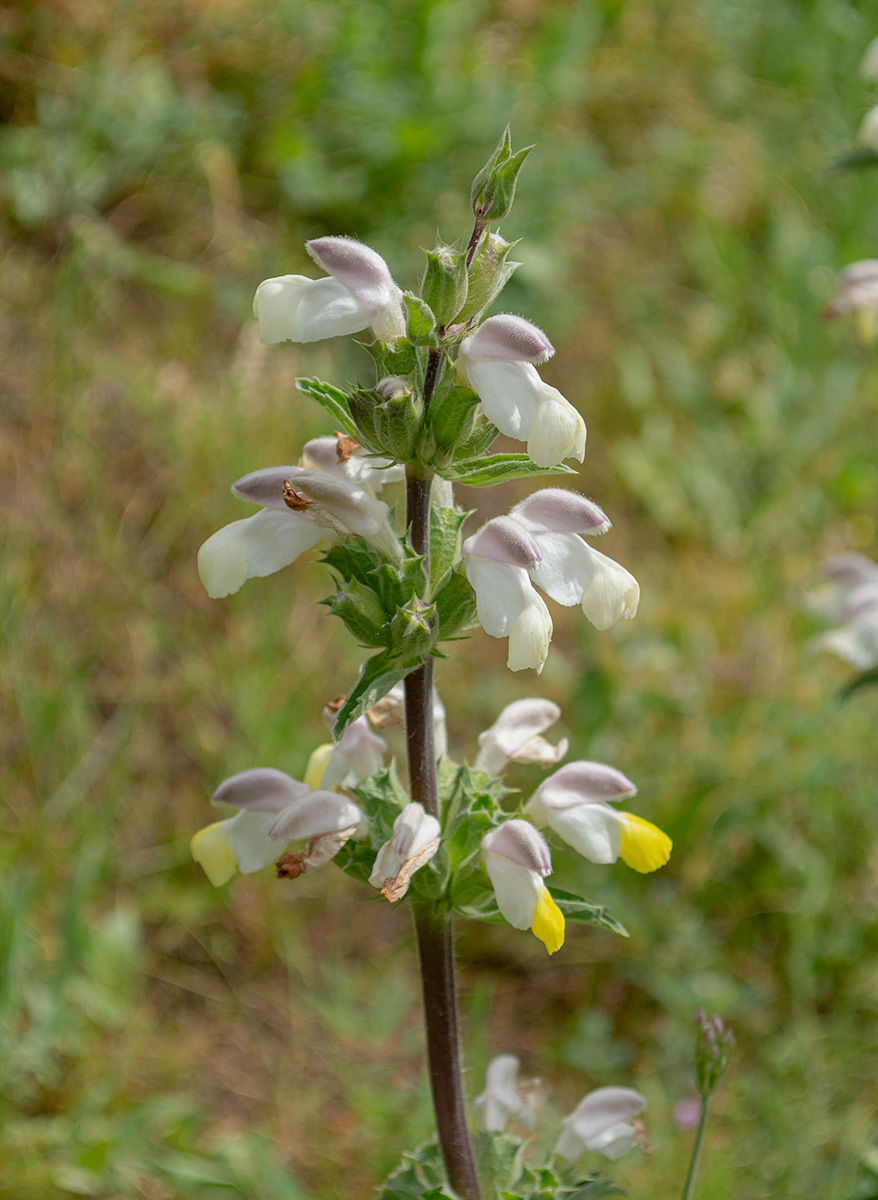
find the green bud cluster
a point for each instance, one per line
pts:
(445, 283)
(713, 1048)
(494, 187)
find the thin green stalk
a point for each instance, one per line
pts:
(689, 1189)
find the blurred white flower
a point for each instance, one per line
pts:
(501, 1101)
(601, 1122)
(497, 361)
(359, 291)
(414, 842)
(851, 598)
(515, 737)
(517, 860)
(868, 131)
(869, 64)
(300, 508)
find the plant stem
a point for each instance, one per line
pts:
(689, 1189)
(434, 930)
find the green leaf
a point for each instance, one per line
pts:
(498, 468)
(445, 527)
(377, 676)
(333, 400)
(854, 160)
(455, 607)
(575, 908)
(861, 681)
(420, 322)
(498, 1161)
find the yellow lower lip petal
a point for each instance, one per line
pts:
(645, 847)
(210, 848)
(548, 922)
(317, 764)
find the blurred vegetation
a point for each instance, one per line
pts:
(682, 230)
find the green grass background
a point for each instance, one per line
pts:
(681, 230)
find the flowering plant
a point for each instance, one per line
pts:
(448, 381)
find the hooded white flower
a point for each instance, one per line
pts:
(390, 710)
(415, 840)
(515, 737)
(850, 597)
(359, 754)
(517, 860)
(336, 456)
(577, 803)
(506, 602)
(868, 131)
(601, 1122)
(498, 362)
(869, 65)
(300, 508)
(273, 807)
(501, 1101)
(569, 570)
(358, 292)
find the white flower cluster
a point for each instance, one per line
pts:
(602, 1122)
(851, 599)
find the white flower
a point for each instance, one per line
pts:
(577, 803)
(273, 807)
(506, 602)
(415, 840)
(517, 860)
(500, 1101)
(358, 292)
(569, 570)
(359, 754)
(857, 294)
(514, 737)
(300, 508)
(869, 65)
(601, 1122)
(497, 361)
(334, 456)
(390, 710)
(851, 598)
(868, 131)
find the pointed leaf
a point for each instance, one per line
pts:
(377, 676)
(498, 468)
(333, 400)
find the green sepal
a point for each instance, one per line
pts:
(455, 607)
(452, 417)
(445, 540)
(334, 401)
(393, 358)
(377, 676)
(420, 1176)
(445, 283)
(363, 614)
(420, 322)
(413, 629)
(393, 584)
(498, 468)
(489, 272)
(389, 424)
(483, 434)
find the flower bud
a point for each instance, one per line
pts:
(494, 187)
(444, 287)
(390, 417)
(713, 1048)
